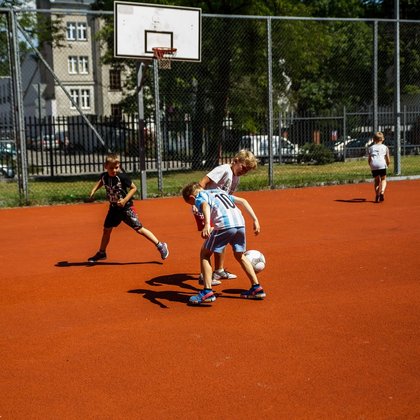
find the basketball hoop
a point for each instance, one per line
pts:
(164, 56)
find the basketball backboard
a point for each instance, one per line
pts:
(139, 27)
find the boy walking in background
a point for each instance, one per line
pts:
(120, 191)
(225, 177)
(220, 211)
(378, 158)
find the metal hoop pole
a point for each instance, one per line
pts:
(157, 127)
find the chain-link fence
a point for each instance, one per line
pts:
(305, 95)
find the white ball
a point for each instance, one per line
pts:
(256, 258)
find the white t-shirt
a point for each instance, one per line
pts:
(222, 177)
(377, 153)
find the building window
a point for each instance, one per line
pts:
(116, 111)
(72, 63)
(71, 31)
(81, 31)
(74, 93)
(83, 65)
(85, 99)
(81, 97)
(115, 79)
(76, 31)
(78, 65)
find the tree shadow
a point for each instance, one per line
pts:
(91, 264)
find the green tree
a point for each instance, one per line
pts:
(37, 26)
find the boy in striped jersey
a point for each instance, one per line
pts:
(223, 224)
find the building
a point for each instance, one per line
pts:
(77, 70)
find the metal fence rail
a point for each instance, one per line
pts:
(277, 85)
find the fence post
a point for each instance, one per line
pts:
(18, 112)
(270, 104)
(375, 76)
(397, 98)
(158, 130)
(141, 126)
(344, 125)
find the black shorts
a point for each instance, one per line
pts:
(379, 172)
(128, 215)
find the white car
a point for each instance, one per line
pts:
(283, 149)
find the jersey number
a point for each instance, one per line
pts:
(226, 201)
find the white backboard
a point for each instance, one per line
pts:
(139, 27)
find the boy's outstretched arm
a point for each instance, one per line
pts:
(250, 211)
(95, 188)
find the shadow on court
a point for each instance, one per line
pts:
(179, 279)
(157, 296)
(355, 200)
(91, 264)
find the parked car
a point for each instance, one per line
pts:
(7, 158)
(357, 147)
(283, 149)
(407, 148)
(45, 142)
(337, 147)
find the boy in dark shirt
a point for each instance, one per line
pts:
(119, 191)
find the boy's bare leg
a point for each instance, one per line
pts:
(377, 184)
(106, 236)
(148, 235)
(219, 260)
(382, 185)
(247, 267)
(206, 267)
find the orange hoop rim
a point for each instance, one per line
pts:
(163, 52)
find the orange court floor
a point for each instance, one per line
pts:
(336, 337)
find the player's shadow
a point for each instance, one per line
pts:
(158, 297)
(353, 200)
(90, 264)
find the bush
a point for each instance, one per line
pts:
(316, 154)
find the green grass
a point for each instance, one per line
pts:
(46, 192)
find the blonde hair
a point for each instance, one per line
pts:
(378, 136)
(112, 158)
(191, 189)
(246, 158)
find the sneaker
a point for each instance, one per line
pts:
(377, 198)
(224, 274)
(255, 292)
(213, 282)
(163, 249)
(100, 255)
(205, 296)
(381, 197)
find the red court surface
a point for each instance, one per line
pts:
(337, 336)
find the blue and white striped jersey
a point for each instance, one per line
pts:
(223, 212)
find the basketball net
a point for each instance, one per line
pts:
(164, 56)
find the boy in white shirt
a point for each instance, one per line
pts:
(378, 158)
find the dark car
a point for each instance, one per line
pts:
(356, 147)
(45, 142)
(7, 158)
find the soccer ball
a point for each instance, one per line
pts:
(256, 258)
